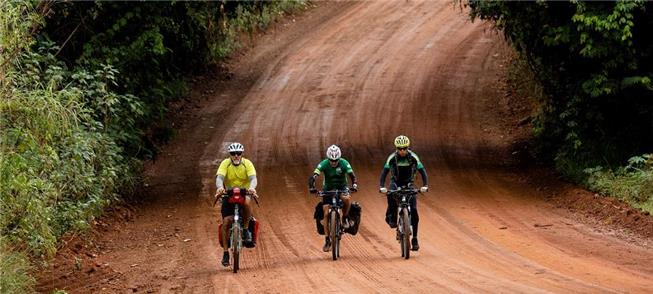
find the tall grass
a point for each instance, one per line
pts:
(632, 183)
(65, 127)
(59, 166)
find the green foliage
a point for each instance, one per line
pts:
(81, 95)
(60, 164)
(14, 271)
(246, 17)
(594, 62)
(154, 46)
(632, 183)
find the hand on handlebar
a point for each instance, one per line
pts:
(383, 190)
(312, 190)
(424, 189)
(354, 187)
(219, 192)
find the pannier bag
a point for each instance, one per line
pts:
(354, 215)
(318, 216)
(253, 229)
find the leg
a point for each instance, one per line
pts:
(325, 220)
(226, 225)
(414, 216)
(346, 201)
(414, 220)
(247, 212)
(391, 213)
(327, 241)
(227, 211)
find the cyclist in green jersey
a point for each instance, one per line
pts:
(403, 164)
(335, 169)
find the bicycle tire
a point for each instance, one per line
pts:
(405, 239)
(236, 236)
(333, 234)
(400, 235)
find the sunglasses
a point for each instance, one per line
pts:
(334, 161)
(402, 149)
(235, 153)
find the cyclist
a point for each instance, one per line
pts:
(403, 163)
(235, 171)
(335, 169)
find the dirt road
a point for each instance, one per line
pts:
(357, 74)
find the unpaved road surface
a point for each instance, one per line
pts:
(357, 74)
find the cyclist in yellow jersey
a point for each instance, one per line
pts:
(235, 171)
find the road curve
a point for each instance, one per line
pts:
(363, 73)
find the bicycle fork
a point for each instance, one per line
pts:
(400, 228)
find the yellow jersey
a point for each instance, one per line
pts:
(236, 175)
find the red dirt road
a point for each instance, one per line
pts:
(357, 74)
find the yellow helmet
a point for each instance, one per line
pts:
(402, 142)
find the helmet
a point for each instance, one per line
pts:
(235, 147)
(333, 152)
(402, 142)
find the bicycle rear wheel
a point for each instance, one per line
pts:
(334, 231)
(405, 238)
(236, 238)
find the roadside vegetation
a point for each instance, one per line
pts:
(592, 62)
(84, 90)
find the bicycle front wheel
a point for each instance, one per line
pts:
(334, 232)
(236, 241)
(405, 238)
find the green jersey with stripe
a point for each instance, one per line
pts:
(334, 177)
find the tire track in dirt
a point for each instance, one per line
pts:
(358, 74)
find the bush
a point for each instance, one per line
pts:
(14, 271)
(79, 92)
(633, 183)
(593, 60)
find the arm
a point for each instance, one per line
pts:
(350, 172)
(384, 174)
(251, 176)
(311, 179)
(252, 182)
(219, 181)
(422, 172)
(311, 183)
(354, 183)
(425, 179)
(220, 176)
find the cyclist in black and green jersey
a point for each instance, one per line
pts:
(403, 164)
(335, 169)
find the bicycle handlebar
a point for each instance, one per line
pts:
(332, 192)
(404, 191)
(243, 191)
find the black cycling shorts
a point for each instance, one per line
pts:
(228, 209)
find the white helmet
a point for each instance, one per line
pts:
(333, 152)
(236, 147)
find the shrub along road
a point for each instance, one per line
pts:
(355, 74)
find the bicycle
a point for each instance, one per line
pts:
(334, 220)
(403, 195)
(236, 231)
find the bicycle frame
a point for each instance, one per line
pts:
(236, 232)
(404, 228)
(334, 217)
